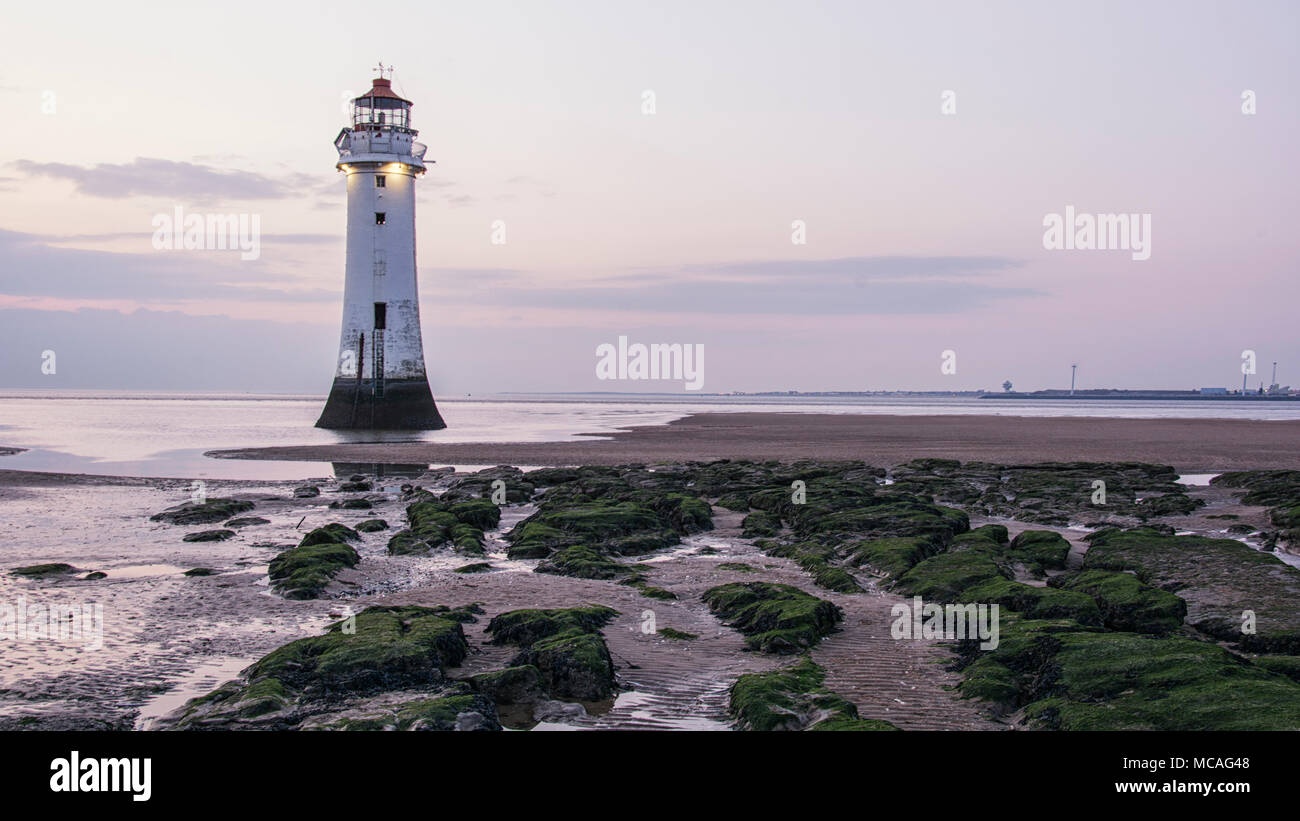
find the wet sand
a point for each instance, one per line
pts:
(1190, 445)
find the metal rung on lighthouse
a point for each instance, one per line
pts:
(381, 306)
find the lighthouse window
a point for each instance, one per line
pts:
(379, 180)
(379, 217)
(381, 315)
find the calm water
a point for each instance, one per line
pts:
(143, 434)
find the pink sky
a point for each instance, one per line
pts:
(924, 229)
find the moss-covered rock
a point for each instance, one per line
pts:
(738, 567)
(437, 522)
(943, 578)
(585, 563)
(739, 502)
(816, 559)
(455, 711)
(304, 572)
(1034, 602)
(208, 536)
(1219, 579)
(892, 556)
(371, 526)
(39, 570)
(382, 649)
(332, 533)
(1040, 548)
(775, 618)
(513, 685)
(565, 646)
(1069, 677)
(1126, 603)
(201, 513)
(352, 504)
(794, 698)
(675, 635)
(759, 524)
(247, 521)
(1278, 490)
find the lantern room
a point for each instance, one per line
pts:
(381, 107)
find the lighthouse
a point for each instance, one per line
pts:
(379, 378)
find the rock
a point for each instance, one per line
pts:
(39, 570)
(209, 536)
(372, 526)
(565, 646)
(383, 670)
(198, 513)
(352, 504)
(331, 533)
(306, 492)
(513, 685)
(305, 571)
(775, 618)
(794, 698)
(248, 521)
(585, 563)
(200, 571)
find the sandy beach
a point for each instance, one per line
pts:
(1190, 445)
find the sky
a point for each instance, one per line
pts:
(920, 145)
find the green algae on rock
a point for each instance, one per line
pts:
(794, 698)
(1125, 602)
(565, 645)
(1219, 579)
(247, 521)
(775, 618)
(208, 536)
(38, 570)
(303, 572)
(1278, 490)
(332, 533)
(200, 513)
(439, 521)
(513, 685)
(1069, 678)
(583, 562)
(675, 635)
(311, 681)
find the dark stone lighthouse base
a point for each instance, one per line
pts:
(406, 404)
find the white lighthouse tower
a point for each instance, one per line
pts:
(379, 379)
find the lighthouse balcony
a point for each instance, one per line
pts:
(362, 147)
(346, 162)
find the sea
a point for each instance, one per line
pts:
(151, 434)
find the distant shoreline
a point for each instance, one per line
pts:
(1190, 445)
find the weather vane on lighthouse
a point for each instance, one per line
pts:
(379, 378)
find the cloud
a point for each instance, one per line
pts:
(32, 266)
(886, 285)
(857, 268)
(146, 176)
